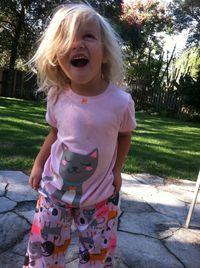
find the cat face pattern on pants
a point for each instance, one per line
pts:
(50, 236)
(75, 169)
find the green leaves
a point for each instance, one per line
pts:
(21, 23)
(186, 15)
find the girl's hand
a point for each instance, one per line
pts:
(117, 181)
(35, 177)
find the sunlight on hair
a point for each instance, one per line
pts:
(57, 40)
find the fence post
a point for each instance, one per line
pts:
(1, 81)
(13, 94)
(193, 202)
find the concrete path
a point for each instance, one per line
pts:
(151, 227)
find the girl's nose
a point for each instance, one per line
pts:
(78, 43)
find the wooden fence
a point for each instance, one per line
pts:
(167, 100)
(20, 84)
(17, 84)
(161, 100)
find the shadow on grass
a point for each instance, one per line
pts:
(23, 130)
(165, 147)
(161, 146)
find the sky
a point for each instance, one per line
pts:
(179, 40)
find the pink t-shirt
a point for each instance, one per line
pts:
(79, 168)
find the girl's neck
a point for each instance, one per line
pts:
(89, 89)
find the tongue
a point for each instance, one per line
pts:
(79, 62)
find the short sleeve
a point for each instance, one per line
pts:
(50, 114)
(128, 121)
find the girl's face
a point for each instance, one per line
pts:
(83, 63)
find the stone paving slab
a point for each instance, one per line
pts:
(2, 187)
(151, 226)
(6, 204)
(168, 205)
(186, 244)
(19, 193)
(28, 215)
(13, 177)
(148, 179)
(139, 251)
(12, 229)
(182, 190)
(9, 259)
(130, 203)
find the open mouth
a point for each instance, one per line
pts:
(79, 62)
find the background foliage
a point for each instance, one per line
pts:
(150, 71)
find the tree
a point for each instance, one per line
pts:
(145, 59)
(21, 21)
(186, 15)
(110, 9)
(189, 91)
(188, 62)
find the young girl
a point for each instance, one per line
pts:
(78, 169)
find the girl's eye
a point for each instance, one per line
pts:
(88, 36)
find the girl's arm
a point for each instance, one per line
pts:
(124, 142)
(36, 173)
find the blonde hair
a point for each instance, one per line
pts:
(58, 38)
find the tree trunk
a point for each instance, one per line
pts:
(15, 42)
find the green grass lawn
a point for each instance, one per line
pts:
(165, 147)
(160, 146)
(22, 132)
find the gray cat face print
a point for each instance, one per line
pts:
(76, 167)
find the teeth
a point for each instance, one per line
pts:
(79, 58)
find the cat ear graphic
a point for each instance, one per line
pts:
(94, 153)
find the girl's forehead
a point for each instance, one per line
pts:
(91, 25)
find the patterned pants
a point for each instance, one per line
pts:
(51, 234)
